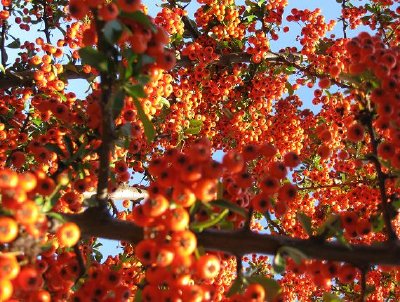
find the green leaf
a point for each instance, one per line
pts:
(331, 226)
(147, 124)
(235, 287)
(195, 123)
(118, 103)
(194, 127)
(279, 263)
(139, 17)
(328, 297)
(135, 91)
(305, 223)
(56, 216)
(2, 69)
(112, 31)
(15, 44)
(54, 148)
(37, 121)
(271, 286)
(68, 144)
(221, 203)
(201, 225)
(377, 223)
(138, 296)
(395, 204)
(125, 130)
(194, 131)
(164, 102)
(289, 88)
(94, 58)
(297, 255)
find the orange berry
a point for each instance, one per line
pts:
(255, 293)
(208, 266)
(8, 229)
(68, 234)
(6, 289)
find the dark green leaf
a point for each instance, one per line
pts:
(68, 144)
(279, 263)
(118, 103)
(235, 287)
(297, 255)
(377, 223)
(125, 129)
(139, 17)
(138, 296)
(112, 31)
(395, 204)
(94, 58)
(201, 225)
(331, 227)
(271, 286)
(54, 148)
(14, 44)
(147, 124)
(289, 88)
(220, 203)
(97, 256)
(305, 223)
(135, 91)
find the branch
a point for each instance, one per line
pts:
(130, 193)
(108, 125)
(25, 78)
(4, 28)
(93, 223)
(46, 22)
(381, 182)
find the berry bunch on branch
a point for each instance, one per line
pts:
(225, 165)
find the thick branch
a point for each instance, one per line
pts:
(240, 243)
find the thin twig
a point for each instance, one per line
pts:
(381, 181)
(4, 28)
(363, 285)
(81, 262)
(345, 24)
(46, 22)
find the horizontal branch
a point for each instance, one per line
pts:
(130, 193)
(25, 78)
(239, 243)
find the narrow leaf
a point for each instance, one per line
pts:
(271, 286)
(200, 226)
(147, 124)
(94, 58)
(112, 31)
(305, 223)
(293, 253)
(221, 203)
